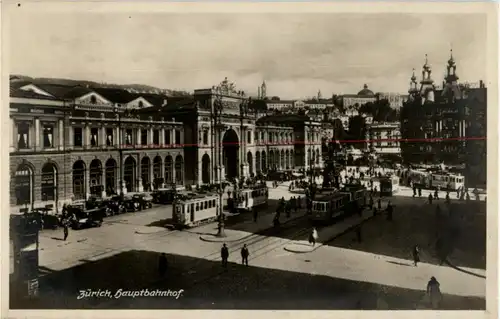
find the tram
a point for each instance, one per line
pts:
(327, 207)
(195, 209)
(255, 196)
(389, 185)
(443, 180)
(447, 181)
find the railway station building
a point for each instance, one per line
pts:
(70, 142)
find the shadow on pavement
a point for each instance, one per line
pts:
(207, 286)
(462, 233)
(463, 270)
(167, 222)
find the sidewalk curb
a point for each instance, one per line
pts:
(150, 232)
(350, 228)
(214, 239)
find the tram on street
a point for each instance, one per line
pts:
(389, 185)
(255, 196)
(195, 209)
(431, 180)
(327, 207)
(447, 181)
(358, 193)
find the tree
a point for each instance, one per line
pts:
(258, 104)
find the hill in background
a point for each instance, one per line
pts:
(136, 88)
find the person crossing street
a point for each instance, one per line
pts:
(244, 255)
(224, 253)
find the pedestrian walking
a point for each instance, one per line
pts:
(420, 192)
(65, 230)
(434, 293)
(436, 194)
(379, 204)
(371, 202)
(313, 237)
(224, 254)
(430, 198)
(448, 200)
(416, 255)
(244, 255)
(162, 264)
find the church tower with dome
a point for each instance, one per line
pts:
(427, 83)
(366, 91)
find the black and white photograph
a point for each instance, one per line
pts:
(250, 156)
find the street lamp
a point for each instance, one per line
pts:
(243, 113)
(217, 113)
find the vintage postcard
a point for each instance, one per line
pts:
(249, 156)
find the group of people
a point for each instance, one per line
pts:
(224, 253)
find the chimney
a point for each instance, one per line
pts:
(481, 84)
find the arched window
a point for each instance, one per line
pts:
(49, 182)
(23, 185)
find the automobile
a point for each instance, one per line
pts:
(113, 205)
(145, 200)
(131, 204)
(94, 202)
(47, 220)
(80, 219)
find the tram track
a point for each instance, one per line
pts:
(295, 228)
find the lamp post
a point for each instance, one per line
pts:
(219, 128)
(243, 113)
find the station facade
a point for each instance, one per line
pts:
(70, 142)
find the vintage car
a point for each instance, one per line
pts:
(145, 200)
(80, 218)
(47, 220)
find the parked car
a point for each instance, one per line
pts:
(131, 204)
(47, 220)
(80, 219)
(145, 200)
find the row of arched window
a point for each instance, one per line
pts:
(101, 179)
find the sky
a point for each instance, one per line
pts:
(296, 54)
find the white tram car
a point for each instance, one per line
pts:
(447, 181)
(195, 209)
(255, 196)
